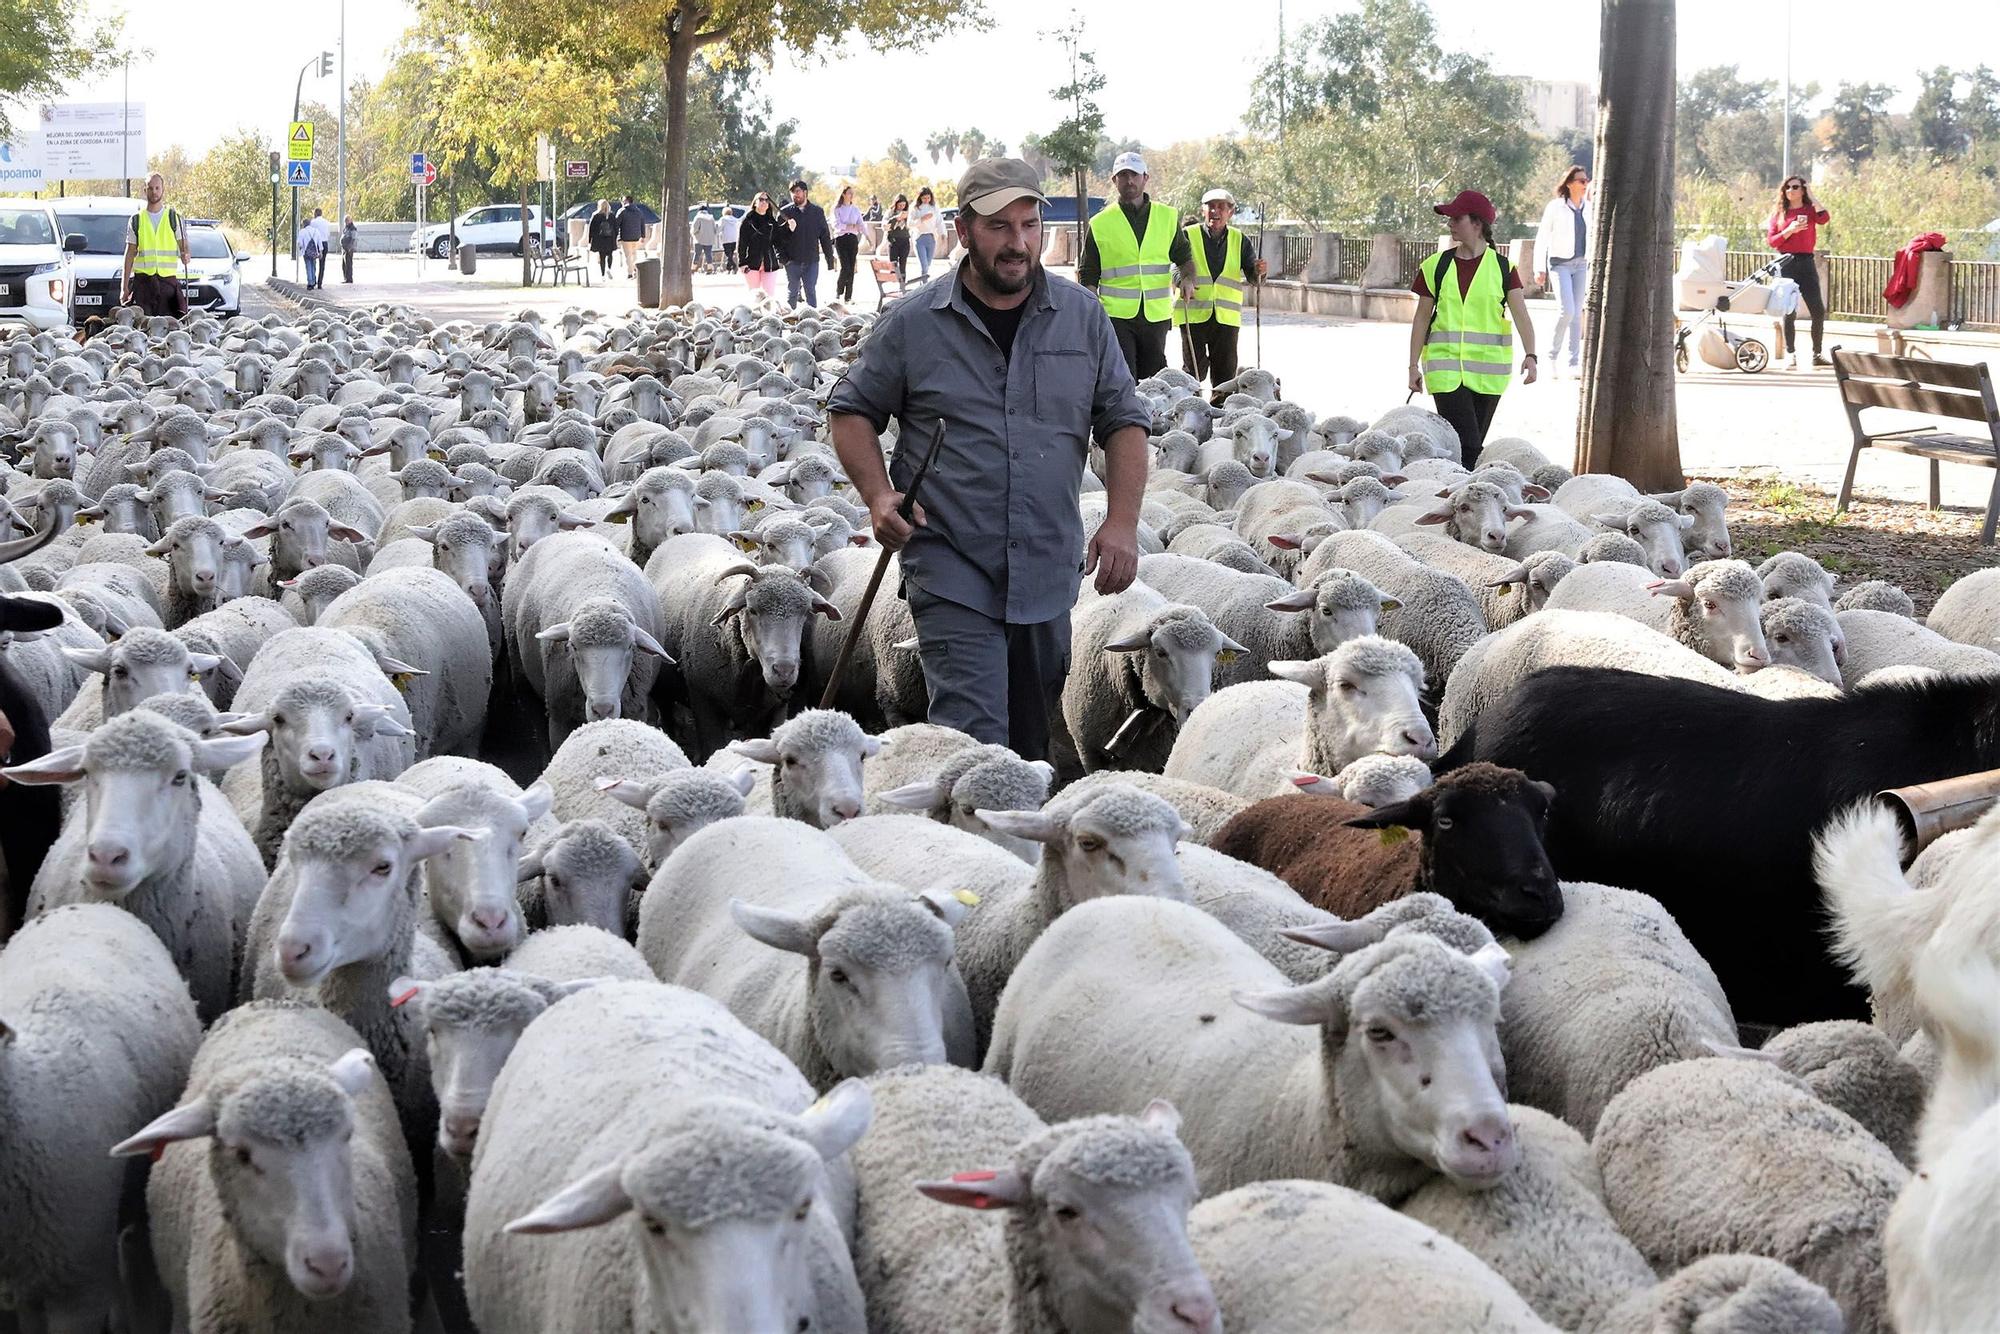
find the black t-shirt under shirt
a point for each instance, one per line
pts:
(1001, 325)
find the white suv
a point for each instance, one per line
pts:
(34, 266)
(493, 227)
(215, 272)
(102, 221)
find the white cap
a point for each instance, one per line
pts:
(1219, 196)
(1129, 162)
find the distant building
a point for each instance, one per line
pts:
(1559, 107)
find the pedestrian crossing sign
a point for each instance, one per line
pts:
(299, 173)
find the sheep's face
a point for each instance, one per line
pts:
(194, 558)
(820, 784)
(293, 1204)
(1659, 536)
(239, 566)
(1176, 660)
(471, 556)
(1803, 579)
(1729, 622)
(674, 814)
(1483, 846)
(301, 534)
(471, 885)
(1119, 841)
(1806, 636)
(1334, 619)
(1256, 445)
(1362, 702)
(804, 485)
(760, 442)
(55, 455)
(659, 513)
(590, 883)
(465, 1059)
(1475, 514)
(1360, 504)
(125, 513)
(347, 907)
(176, 495)
(785, 544)
(1708, 536)
(602, 643)
(720, 513)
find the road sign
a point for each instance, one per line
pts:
(299, 142)
(430, 176)
(577, 171)
(299, 173)
(416, 166)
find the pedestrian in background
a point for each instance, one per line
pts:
(874, 213)
(156, 255)
(803, 237)
(1461, 343)
(899, 237)
(350, 241)
(926, 226)
(307, 242)
(1794, 233)
(323, 239)
(757, 247)
(603, 237)
(847, 228)
(732, 227)
(631, 231)
(1560, 261)
(707, 235)
(1130, 253)
(1212, 319)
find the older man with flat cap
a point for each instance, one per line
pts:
(1023, 369)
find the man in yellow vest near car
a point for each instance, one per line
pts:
(156, 254)
(1131, 253)
(1212, 318)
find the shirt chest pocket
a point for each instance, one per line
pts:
(1065, 383)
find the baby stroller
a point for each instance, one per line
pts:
(1723, 349)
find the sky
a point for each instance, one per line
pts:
(221, 64)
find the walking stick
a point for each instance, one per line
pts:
(907, 510)
(1257, 290)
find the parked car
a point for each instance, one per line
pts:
(215, 271)
(35, 282)
(102, 221)
(582, 210)
(490, 227)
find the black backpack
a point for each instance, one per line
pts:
(1437, 279)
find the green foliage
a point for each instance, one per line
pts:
(1876, 206)
(899, 152)
(1955, 111)
(232, 182)
(1072, 145)
(1857, 123)
(733, 148)
(48, 44)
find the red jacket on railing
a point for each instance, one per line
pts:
(1909, 263)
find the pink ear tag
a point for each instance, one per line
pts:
(1305, 780)
(159, 1151)
(978, 1201)
(397, 1002)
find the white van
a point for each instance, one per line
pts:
(102, 221)
(34, 266)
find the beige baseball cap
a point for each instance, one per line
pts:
(992, 183)
(1219, 196)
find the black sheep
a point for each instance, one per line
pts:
(1708, 799)
(29, 816)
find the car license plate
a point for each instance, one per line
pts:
(6, 290)
(90, 301)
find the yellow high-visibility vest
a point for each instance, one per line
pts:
(159, 248)
(1219, 295)
(1135, 278)
(1471, 341)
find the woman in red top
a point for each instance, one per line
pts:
(1794, 233)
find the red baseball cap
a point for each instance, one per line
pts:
(1470, 203)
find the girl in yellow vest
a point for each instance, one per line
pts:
(1462, 340)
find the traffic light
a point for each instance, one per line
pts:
(276, 168)
(325, 63)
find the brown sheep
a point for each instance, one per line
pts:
(1474, 836)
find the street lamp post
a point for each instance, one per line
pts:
(1785, 129)
(340, 148)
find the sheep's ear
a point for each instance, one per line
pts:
(870, 747)
(950, 905)
(1671, 588)
(761, 749)
(537, 801)
(1136, 642)
(1517, 512)
(58, 766)
(204, 663)
(90, 659)
(1491, 959)
(429, 842)
(1035, 826)
(1534, 491)
(225, 752)
(424, 532)
(555, 634)
(917, 796)
(1309, 1005)
(261, 528)
(1685, 521)
(744, 778)
(194, 1120)
(242, 724)
(779, 930)
(836, 1123)
(1003, 1188)
(529, 866)
(595, 1199)
(1162, 1115)
(1432, 517)
(161, 547)
(1517, 575)
(1297, 600)
(1734, 1053)
(1391, 604)
(353, 1070)
(629, 791)
(372, 720)
(1307, 673)
(1282, 542)
(1614, 522)
(1414, 813)
(1337, 937)
(1044, 768)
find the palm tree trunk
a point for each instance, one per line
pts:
(1627, 422)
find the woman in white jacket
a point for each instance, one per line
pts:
(1560, 262)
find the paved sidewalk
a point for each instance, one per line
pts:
(1779, 423)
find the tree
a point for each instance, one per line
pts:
(1935, 116)
(973, 144)
(1707, 96)
(1627, 424)
(900, 153)
(232, 182)
(1857, 123)
(1072, 144)
(606, 41)
(49, 44)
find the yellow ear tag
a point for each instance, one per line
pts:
(967, 897)
(401, 680)
(755, 505)
(1226, 656)
(745, 544)
(1392, 834)
(437, 454)
(86, 518)
(617, 517)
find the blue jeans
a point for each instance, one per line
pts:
(312, 267)
(802, 274)
(1569, 278)
(926, 247)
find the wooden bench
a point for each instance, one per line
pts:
(1941, 388)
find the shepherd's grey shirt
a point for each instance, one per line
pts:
(1005, 536)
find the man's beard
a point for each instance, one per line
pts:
(996, 282)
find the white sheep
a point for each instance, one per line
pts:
(1268, 619)
(582, 872)
(234, 632)
(1439, 617)
(1805, 636)
(1878, 595)
(96, 1033)
(470, 889)
(419, 618)
(137, 665)
(1362, 698)
(1546, 528)
(1094, 1234)
(608, 748)
(1402, 1082)
(1284, 521)
(946, 775)
(283, 1197)
(310, 592)
(876, 986)
(154, 837)
(633, 1097)
(1473, 512)
(1926, 940)
(583, 631)
(1878, 639)
(1139, 665)
(1714, 610)
(1507, 589)
(814, 763)
(1204, 809)
(1372, 780)
(1793, 574)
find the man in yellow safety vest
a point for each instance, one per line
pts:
(1131, 253)
(1212, 318)
(156, 254)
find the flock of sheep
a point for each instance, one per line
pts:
(1376, 951)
